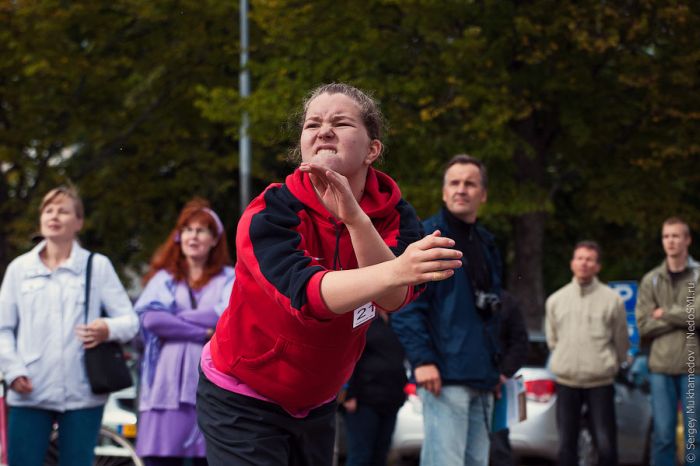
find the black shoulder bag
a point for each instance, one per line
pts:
(105, 364)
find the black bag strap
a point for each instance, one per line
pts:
(193, 301)
(88, 274)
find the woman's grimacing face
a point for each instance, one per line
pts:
(334, 136)
(59, 220)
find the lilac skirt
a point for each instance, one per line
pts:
(170, 433)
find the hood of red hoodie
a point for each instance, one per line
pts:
(380, 196)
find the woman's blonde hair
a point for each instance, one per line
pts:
(70, 192)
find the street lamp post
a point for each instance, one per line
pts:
(244, 90)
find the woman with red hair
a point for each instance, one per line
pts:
(187, 287)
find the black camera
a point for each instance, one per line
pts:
(487, 302)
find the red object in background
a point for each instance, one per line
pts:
(540, 390)
(536, 390)
(3, 426)
(409, 389)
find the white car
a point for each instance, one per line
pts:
(408, 434)
(115, 445)
(537, 437)
(120, 413)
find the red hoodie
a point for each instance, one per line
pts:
(277, 335)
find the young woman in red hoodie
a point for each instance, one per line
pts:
(317, 257)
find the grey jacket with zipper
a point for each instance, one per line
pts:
(674, 343)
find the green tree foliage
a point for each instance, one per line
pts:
(102, 94)
(586, 112)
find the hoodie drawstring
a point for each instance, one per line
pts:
(336, 255)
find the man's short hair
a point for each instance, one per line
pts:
(593, 246)
(468, 159)
(677, 221)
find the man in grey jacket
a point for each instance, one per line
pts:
(665, 314)
(586, 330)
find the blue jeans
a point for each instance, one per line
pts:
(369, 436)
(457, 425)
(667, 391)
(29, 430)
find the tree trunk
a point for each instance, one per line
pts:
(525, 273)
(525, 279)
(5, 218)
(4, 254)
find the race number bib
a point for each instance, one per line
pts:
(363, 314)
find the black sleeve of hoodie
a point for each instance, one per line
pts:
(514, 339)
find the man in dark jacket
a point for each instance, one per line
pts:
(514, 341)
(450, 333)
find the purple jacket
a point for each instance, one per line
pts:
(174, 334)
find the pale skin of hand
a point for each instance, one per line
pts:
(384, 277)
(334, 191)
(22, 384)
(350, 405)
(428, 259)
(428, 377)
(93, 333)
(497, 389)
(657, 313)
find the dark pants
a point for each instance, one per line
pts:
(500, 452)
(369, 434)
(600, 402)
(244, 431)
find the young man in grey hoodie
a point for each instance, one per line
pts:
(665, 314)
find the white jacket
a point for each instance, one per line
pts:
(39, 310)
(587, 334)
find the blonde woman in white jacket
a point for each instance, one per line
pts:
(43, 336)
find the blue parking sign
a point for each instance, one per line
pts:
(628, 292)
